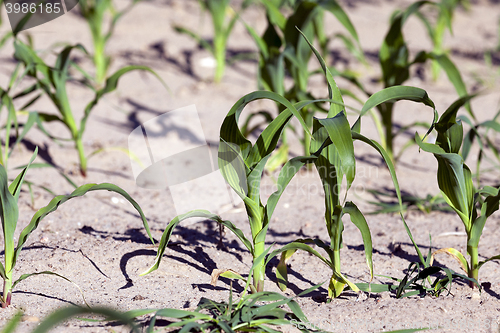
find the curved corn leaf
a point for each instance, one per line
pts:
(359, 221)
(333, 90)
(481, 263)
(9, 216)
(455, 254)
(59, 200)
(25, 276)
(165, 238)
(357, 136)
(286, 174)
(395, 94)
(64, 314)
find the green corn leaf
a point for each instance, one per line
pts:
(194, 213)
(25, 276)
(274, 15)
(454, 76)
(459, 257)
(231, 134)
(395, 94)
(454, 180)
(334, 8)
(15, 186)
(286, 174)
(59, 200)
(282, 271)
(357, 136)
(64, 314)
(450, 131)
(207, 46)
(340, 134)
(359, 221)
(481, 263)
(10, 214)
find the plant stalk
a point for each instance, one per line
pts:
(7, 291)
(81, 156)
(474, 261)
(220, 57)
(259, 271)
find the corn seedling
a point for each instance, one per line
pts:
(454, 177)
(53, 80)
(333, 144)
(9, 196)
(94, 12)
(223, 21)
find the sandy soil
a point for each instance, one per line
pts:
(98, 240)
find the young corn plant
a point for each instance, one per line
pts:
(9, 196)
(242, 165)
(53, 80)
(223, 21)
(454, 177)
(94, 12)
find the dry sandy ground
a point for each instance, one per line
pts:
(98, 240)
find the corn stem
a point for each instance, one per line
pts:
(474, 261)
(259, 271)
(7, 290)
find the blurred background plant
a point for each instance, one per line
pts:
(98, 13)
(224, 17)
(283, 51)
(53, 80)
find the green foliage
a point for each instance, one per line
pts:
(454, 177)
(9, 195)
(53, 80)
(94, 12)
(417, 282)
